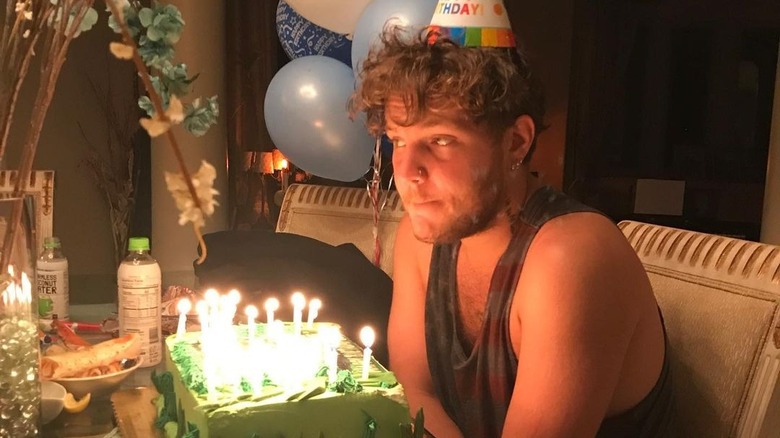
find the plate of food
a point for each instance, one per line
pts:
(92, 369)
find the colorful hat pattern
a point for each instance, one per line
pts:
(472, 23)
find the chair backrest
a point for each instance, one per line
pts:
(338, 215)
(720, 299)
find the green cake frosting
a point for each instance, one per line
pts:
(314, 407)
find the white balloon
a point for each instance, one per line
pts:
(338, 16)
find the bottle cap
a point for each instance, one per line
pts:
(138, 244)
(51, 242)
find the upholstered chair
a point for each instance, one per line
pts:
(720, 299)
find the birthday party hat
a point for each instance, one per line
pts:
(472, 23)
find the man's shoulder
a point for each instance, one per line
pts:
(583, 239)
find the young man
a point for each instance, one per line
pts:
(516, 310)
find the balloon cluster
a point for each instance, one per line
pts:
(306, 103)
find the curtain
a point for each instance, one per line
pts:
(254, 55)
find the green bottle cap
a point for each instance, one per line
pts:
(51, 242)
(138, 244)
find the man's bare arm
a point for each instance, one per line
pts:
(578, 314)
(406, 331)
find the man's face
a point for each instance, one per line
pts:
(448, 172)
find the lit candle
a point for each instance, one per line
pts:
(251, 314)
(332, 340)
(367, 337)
(26, 289)
(212, 299)
(299, 302)
(271, 306)
(234, 297)
(276, 330)
(202, 308)
(183, 307)
(283, 174)
(314, 307)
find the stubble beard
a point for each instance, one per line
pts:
(475, 215)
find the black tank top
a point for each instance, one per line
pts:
(475, 388)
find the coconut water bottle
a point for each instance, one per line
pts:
(139, 287)
(51, 280)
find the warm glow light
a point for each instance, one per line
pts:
(184, 306)
(234, 296)
(314, 307)
(367, 336)
(271, 305)
(251, 311)
(298, 300)
(284, 164)
(277, 159)
(212, 297)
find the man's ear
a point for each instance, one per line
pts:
(523, 135)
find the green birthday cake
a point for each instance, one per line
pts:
(276, 383)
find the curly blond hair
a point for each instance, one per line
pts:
(488, 85)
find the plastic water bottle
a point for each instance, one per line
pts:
(51, 280)
(138, 281)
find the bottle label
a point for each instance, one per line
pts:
(52, 286)
(139, 312)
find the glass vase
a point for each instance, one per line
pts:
(20, 389)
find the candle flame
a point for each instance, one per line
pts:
(184, 306)
(271, 305)
(212, 297)
(251, 311)
(201, 307)
(367, 336)
(298, 300)
(234, 296)
(17, 293)
(315, 304)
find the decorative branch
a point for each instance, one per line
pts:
(58, 23)
(192, 209)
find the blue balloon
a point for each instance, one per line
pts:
(300, 37)
(307, 118)
(412, 15)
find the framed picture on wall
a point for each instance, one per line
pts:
(40, 188)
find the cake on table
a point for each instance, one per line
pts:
(276, 380)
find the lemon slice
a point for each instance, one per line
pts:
(73, 406)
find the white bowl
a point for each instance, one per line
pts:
(97, 385)
(52, 396)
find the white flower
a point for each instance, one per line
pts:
(121, 51)
(26, 33)
(19, 7)
(175, 111)
(28, 15)
(155, 127)
(203, 181)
